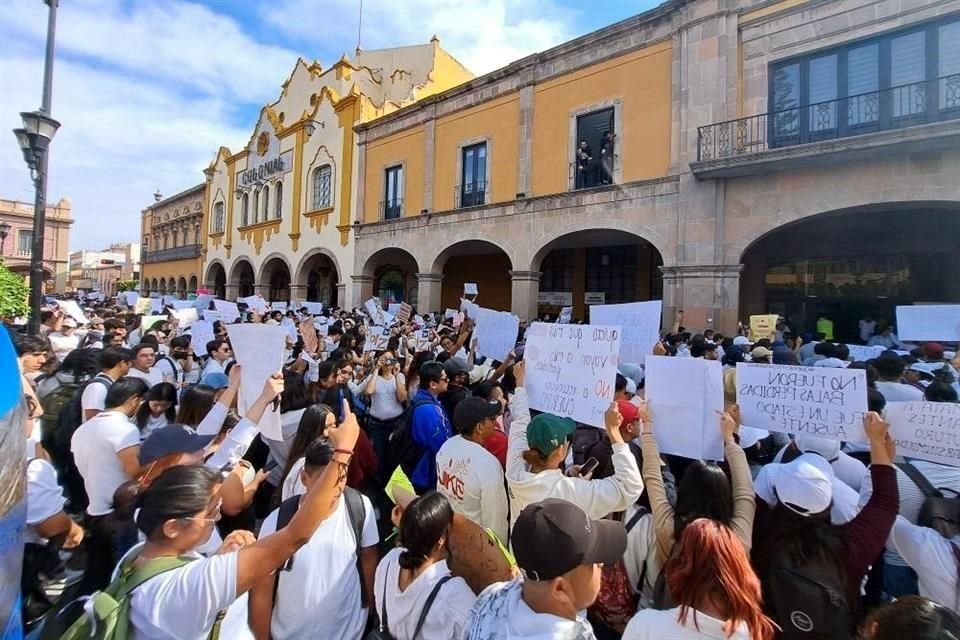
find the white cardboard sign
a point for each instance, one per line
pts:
(201, 332)
(376, 339)
(202, 302)
(571, 370)
(496, 332)
(926, 430)
(927, 322)
(684, 396)
(74, 311)
(862, 353)
(259, 349)
(470, 289)
(186, 317)
(641, 326)
(819, 401)
(256, 303)
(228, 311)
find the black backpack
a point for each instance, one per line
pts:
(583, 440)
(808, 599)
(356, 512)
(940, 513)
(404, 451)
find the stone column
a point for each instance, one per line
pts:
(708, 295)
(362, 289)
(342, 300)
(262, 290)
(526, 287)
(298, 292)
(428, 292)
(231, 291)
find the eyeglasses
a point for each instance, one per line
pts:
(216, 515)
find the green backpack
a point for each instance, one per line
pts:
(110, 618)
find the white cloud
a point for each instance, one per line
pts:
(145, 92)
(483, 34)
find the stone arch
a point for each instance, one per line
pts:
(275, 278)
(481, 261)
(192, 284)
(392, 274)
(541, 246)
(162, 290)
(318, 276)
(242, 277)
(216, 278)
(182, 287)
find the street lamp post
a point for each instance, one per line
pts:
(4, 232)
(34, 140)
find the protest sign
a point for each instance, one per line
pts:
(143, 305)
(168, 299)
(393, 308)
(571, 370)
(926, 430)
(640, 323)
(147, 322)
(291, 328)
(764, 326)
(278, 306)
(211, 316)
(201, 333)
(185, 317)
(73, 310)
(595, 297)
(861, 353)
(311, 343)
(470, 289)
(377, 339)
(403, 315)
(313, 308)
(566, 315)
(374, 310)
(182, 304)
(469, 308)
(156, 305)
(929, 322)
(256, 303)
(202, 301)
(555, 298)
(259, 350)
(450, 313)
(130, 298)
(820, 401)
(495, 333)
(423, 339)
(684, 396)
(228, 311)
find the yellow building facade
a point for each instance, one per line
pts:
(171, 249)
(281, 210)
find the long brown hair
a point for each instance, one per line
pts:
(710, 564)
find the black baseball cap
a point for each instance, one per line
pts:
(471, 411)
(173, 438)
(554, 536)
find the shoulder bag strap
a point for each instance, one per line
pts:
(130, 578)
(384, 624)
(920, 480)
(428, 604)
(288, 508)
(357, 513)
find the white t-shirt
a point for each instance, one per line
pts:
(44, 497)
(931, 556)
(182, 604)
(95, 445)
(62, 345)
(291, 484)
(449, 613)
(383, 401)
(472, 480)
(153, 423)
(94, 397)
(322, 589)
(152, 377)
(866, 329)
(651, 624)
(899, 392)
(213, 366)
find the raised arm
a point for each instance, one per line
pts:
(744, 497)
(238, 440)
(659, 505)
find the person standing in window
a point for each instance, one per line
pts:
(584, 158)
(606, 158)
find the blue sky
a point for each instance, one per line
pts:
(147, 90)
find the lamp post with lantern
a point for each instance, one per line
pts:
(34, 140)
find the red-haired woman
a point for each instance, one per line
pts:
(718, 594)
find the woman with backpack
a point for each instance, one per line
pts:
(172, 593)
(416, 595)
(716, 591)
(811, 569)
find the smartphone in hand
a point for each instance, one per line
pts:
(589, 467)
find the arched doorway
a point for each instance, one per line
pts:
(242, 277)
(192, 286)
(154, 287)
(182, 288)
(596, 266)
(846, 264)
(394, 274)
(478, 261)
(275, 273)
(216, 280)
(319, 276)
(163, 287)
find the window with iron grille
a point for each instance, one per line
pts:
(393, 192)
(218, 217)
(473, 178)
(322, 177)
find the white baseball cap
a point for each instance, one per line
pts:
(750, 436)
(742, 341)
(804, 486)
(829, 449)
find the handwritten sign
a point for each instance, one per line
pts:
(819, 401)
(470, 289)
(201, 332)
(374, 310)
(212, 316)
(74, 311)
(377, 339)
(403, 315)
(926, 430)
(147, 322)
(128, 298)
(640, 322)
(764, 326)
(861, 353)
(156, 305)
(143, 305)
(278, 306)
(423, 339)
(496, 332)
(228, 311)
(925, 322)
(393, 308)
(566, 315)
(259, 349)
(257, 303)
(572, 369)
(313, 308)
(202, 301)
(185, 317)
(684, 396)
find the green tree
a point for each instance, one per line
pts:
(14, 294)
(126, 285)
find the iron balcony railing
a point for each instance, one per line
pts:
(176, 253)
(470, 194)
(894, 108)
(391, 208)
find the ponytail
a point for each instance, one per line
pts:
(425, 521)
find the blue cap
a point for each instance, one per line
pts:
(216, 380)
(173, 438)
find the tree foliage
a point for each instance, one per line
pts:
(126, 285)
(14, 294)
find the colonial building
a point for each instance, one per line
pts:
(171, 243)
(730, 156)
(101, 271)
(16, 240)
(282, 208)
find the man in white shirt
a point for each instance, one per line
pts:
(867, 326)
(106, 449)
(144, 357)
(560, 551)
(321, 586)
(114, 364)
(66, 340)
(468, 475)
(890, 371)
(219, 353)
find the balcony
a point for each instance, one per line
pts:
(177, 253)
(391, 208)
(913, 117)
(471, 194)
